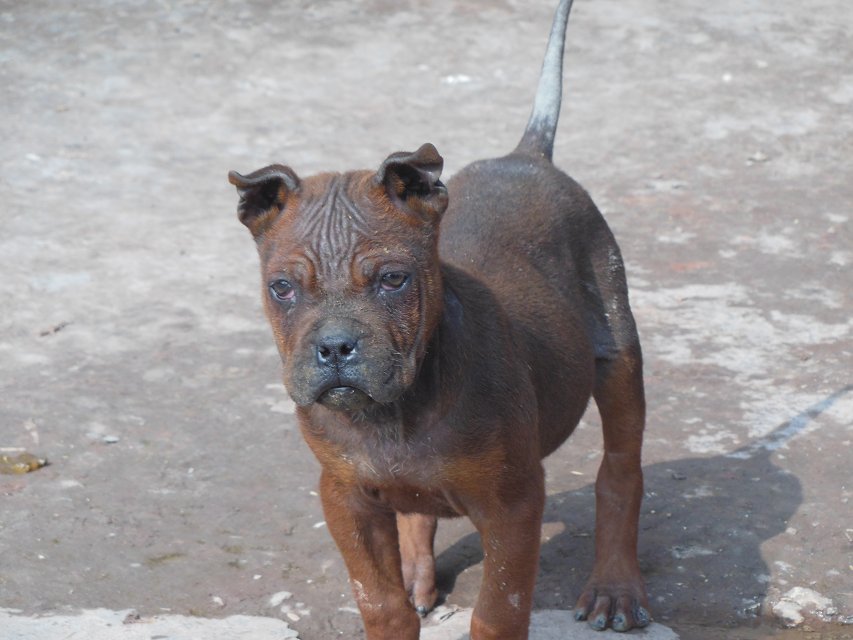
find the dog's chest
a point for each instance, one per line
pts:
(406, 477)
(394, 463)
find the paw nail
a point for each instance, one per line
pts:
(580, 614)
(620, 623)
(643, 618)
(599, 623)
(422, 610)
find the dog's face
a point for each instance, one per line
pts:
(350, 271)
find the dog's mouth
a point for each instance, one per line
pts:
(344, 398)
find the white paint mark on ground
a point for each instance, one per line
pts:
(842, 92)
(776, 244)
(676, 236)
(840, 258)
(453, 624)
(349, 610)
(802, 423)
(456, 78)
(714, 441)
(723, 326)
(283, 406)
(798, 602)
(104, 624)
(817, 292)
(702, 491)
(783, 566)
(58, 282)
(682, 553)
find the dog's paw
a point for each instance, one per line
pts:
(621, 608)
(423, 596)
(419, 580)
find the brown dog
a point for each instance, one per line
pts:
(433, 372)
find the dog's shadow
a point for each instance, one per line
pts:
(702, 525)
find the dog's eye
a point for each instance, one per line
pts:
(393, 281)
(282, 290)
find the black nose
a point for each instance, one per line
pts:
(336, 349)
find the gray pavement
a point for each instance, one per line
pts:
(716, 137)
(104, 624)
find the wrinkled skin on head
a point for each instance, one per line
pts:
(350, 273)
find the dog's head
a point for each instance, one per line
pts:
(349, 262)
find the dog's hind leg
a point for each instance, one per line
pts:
(417, 534)
(615, 595)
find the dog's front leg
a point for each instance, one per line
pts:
(366, 534)
(510, 533)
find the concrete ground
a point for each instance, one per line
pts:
(716, 137)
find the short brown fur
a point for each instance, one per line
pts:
(439, 341)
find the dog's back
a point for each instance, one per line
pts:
(534, 236)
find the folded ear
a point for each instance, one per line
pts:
(263, 194)
(412, 182)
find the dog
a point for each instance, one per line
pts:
(439, 342)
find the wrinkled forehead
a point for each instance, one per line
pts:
(341, 218)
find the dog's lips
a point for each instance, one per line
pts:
(344, 398)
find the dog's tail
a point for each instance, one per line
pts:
(538, 137)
